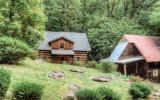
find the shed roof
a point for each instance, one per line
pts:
(149, 46)
(80, 40)
(130, 60)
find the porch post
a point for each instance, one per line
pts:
(125, 70)
(136, 68)
(147, 70)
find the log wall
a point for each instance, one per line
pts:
(67, 44)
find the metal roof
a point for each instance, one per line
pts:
(129, 60)
(80, 40)
(62, 52)
(118, 50)
(149, 46)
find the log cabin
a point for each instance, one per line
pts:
(66, 47)
(138, 55)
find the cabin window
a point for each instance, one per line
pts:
(61, 45)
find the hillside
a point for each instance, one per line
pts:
(37, 71)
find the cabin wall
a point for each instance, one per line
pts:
(130, 50)
(67, 44)
(61, 59)
(81, 56)
(45, 54)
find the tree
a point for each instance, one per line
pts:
(24, 19)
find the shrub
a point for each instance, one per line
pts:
(5, 79)
(91, 64)
(27, 91)
(108, 94)
(135, 78)
(33, 55)
(87, 94)
(12, 50)
(101, 93)
(108, 67)
(140, 90)
(77, 63)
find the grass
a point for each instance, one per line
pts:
(54, 89)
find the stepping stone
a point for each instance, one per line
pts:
(56, 74)
(77, 70)
(102, 79)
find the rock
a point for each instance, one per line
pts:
(102, 79)
(157, 93)
(56, 74)
(74, 88)
(77, 70)
(70, 94)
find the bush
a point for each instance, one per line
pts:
(108, 67)
(5, 79)
(27, 91)
(91, 64)
(108, 94)
(12, 50)
(136, 78)
(101, 93)
(33, 55)
(78, 63)
(140, 90)
(87, 94)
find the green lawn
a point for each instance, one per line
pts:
(54, 89)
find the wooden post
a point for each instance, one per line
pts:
(136, 68)
(125, 70)
(147, 69)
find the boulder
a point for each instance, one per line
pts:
(70, 94)
(74, 87)
(77, 70)
(56, 74)
(157, 93)
(102, 79)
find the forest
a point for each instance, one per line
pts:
(104, 21)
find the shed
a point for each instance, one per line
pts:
(138, 55)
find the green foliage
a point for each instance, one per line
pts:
(140, 90)
(27, 91)
(108, 94)
(91, 64)
(105, 21)
(136, 78)
(23, 19)
(108, 67)
(78, 63)
(5, 79)
(87, 94)
(12, 50)
(101, 93)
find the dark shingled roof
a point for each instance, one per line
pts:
(80, 40)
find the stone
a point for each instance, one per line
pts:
(70, 94)
(102, 79)
(74, 88)
(77, 70)
(56, 74)
(157, 94)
